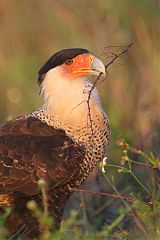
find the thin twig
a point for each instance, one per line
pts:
(118, 55)
(102, 193)
(115, 57)
(88, 100)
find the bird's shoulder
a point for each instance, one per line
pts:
(28, 125)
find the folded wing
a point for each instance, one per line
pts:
(31, 150)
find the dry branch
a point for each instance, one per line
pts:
(114, 58)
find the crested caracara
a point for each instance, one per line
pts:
(61, 142)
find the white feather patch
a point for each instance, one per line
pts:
(66, 99)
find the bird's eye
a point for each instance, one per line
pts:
(91, 59)
(69, 62)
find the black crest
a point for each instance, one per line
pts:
(58, 59)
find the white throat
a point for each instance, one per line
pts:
(66, 99)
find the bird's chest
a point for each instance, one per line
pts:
(95, 150)
(93, 135)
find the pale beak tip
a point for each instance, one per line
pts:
(98, 66)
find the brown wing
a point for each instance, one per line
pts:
(30, 150)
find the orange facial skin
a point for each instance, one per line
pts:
(78, 66)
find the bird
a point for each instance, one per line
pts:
(61, 142)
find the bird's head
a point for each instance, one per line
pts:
(64, 81)
(71, 64)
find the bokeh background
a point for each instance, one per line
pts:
(31, 31)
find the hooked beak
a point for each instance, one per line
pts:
(97, 67)
(90, 65)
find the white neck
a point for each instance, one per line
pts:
(66, 99)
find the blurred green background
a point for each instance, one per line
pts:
(31, 31)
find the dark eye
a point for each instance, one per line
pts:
(69, 62)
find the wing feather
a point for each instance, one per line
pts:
(30, 150)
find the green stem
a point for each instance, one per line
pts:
(134, 176)
(110, 228)
(140, 183)
(119, 167)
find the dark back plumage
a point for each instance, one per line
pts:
(32, 150)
